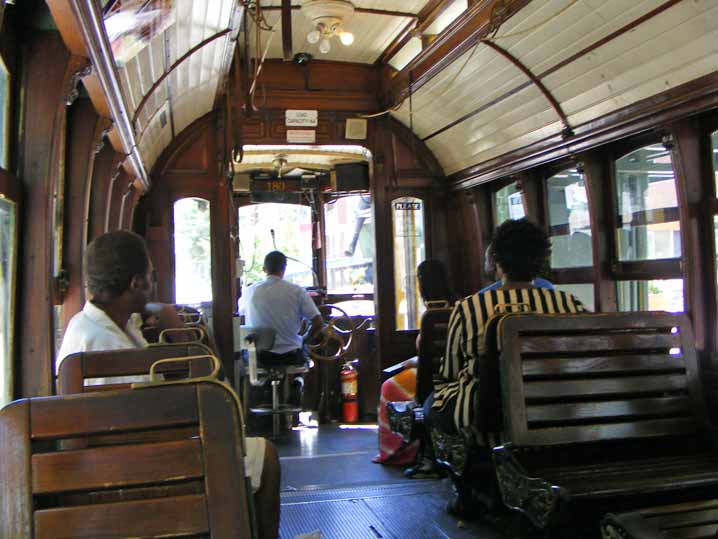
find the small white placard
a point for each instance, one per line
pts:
(302, 136)
(301, 118)
(355, 129)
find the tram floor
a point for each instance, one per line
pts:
(330, 484)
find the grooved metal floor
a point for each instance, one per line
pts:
(330, 484)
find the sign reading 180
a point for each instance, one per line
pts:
(407, 206)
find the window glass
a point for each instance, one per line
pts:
(193, 251)
(4, 115)
(569, 220)
(648, 226)
(584, 292)
(508, 204)
(8, 246)
(655, 295)
(449, 15)
(281, 227)
(714, 149)
(349, 245)
(406, 54)
(409, 251)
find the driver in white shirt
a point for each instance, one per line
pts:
(280, 305)
(119, 282)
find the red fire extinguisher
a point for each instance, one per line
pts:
(350, 393)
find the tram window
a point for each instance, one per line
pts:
(569, 219)
(584, 292)
(276, 227)
(8, 252)
(349, 245)
(409, 251)
(653, 295)
(4, 115)
(508, 204)
(648, 226)
(714, 144)
(193, 251)
(449, 15)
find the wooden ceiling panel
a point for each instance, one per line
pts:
(372, 35)
(594, 56)
(190, 90)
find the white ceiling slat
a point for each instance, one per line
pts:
(672, 48)
(193, 83)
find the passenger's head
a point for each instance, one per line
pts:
(520, 250)
(275, 263)
(489, 263)
(434, 282)
(118, 266)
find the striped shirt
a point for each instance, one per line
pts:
(459, 366)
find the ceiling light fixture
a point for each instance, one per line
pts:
(328, 17)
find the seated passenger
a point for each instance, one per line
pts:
(433, 287)
(119, 282)
(521, 249)
(280, 305)
(493, 272)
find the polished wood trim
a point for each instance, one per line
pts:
(67, 24)
(584, 275)
(428, 14)
(174, 66)
(287, 30)
(695, 185)
(9, 186)
(603, 237)
(690, 98)
(45, 64)
(356, 10)
(462, 34)
(664, 268)
(401, 39)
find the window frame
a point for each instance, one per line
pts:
(498, 185)
(321, 257)
(641, 270)
(10, 190)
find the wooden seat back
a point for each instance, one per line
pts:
(432, 346)
(76, 368)
(190, 486)
(574, 379)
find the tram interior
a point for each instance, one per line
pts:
(362, 138)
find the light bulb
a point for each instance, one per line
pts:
(347, 38)
(313, 36)
(325, 46)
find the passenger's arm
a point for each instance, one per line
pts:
(317, 325)
(168, 318)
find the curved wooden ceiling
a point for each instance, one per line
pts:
(593, 56)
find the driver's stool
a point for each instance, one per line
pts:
(265, 366)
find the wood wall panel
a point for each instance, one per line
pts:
(85, 129)
(401, 167)
(45, 61)
(106, 162)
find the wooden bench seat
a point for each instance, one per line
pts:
(75, 369)
(598, 407)
(693, 520)
(192, 485)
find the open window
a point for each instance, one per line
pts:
(409, 251)
(508, 203)
(648, 240)
(193, 251)
(262, 230)
(8, 281)
(570, 232)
